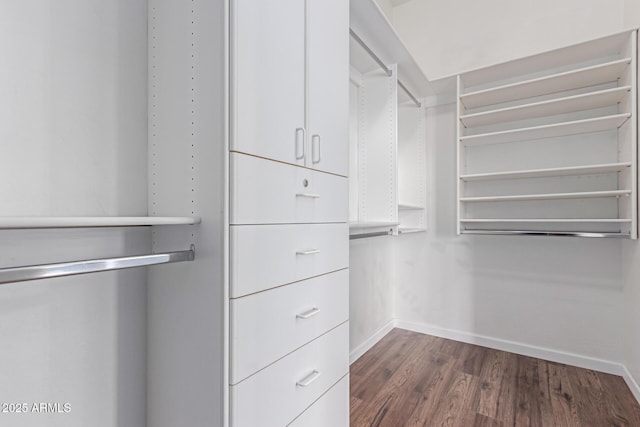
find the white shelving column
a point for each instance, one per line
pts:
(548, 144)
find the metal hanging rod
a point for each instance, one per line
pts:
(383, 65)
(547, 233)
(46, 271)
(367, 235)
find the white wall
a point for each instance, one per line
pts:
(564, 294)
(73, 142)
(632, 258)
(631, 13)
(387, 8)
(450, 36)
(371, 271)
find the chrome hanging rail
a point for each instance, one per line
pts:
(367, 235)
(383, 66)
(545, 233)
(46, 271)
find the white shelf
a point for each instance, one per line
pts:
(92, 221)
(546, 220)
(549, 196)
(408, 207)
(563, 105)
(575, 79)
(598, 124)
(541, 173)
(367, 225)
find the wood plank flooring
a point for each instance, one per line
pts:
(411, 379)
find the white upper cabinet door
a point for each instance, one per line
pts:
(328, 56)
(268, 79)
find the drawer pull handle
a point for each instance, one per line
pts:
(308, 314)
(309, 252)
(306, 381)
(308, 195)
(300, 137)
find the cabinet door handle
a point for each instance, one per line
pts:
(308, 314)
(306, 381)
(308, 252)
(300, 141)
(315, 138)
(308, 195)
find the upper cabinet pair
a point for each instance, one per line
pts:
(289, 81)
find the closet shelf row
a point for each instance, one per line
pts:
(26, 222)
(548, 196)
(546, 220)
(409, 207)
(569, 80)
(597, 124)
(550, 172)
(568, 104)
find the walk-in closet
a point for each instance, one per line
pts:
(319, 213)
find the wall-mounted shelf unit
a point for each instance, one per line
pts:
(547, 145)
(388, 138)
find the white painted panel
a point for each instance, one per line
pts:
(268, 78)
(272, 398)
(332, 409)
(268, 192)
(377, 148)
(328, 35)
(266, 326)
(187, 154)
(265, 256)
(412, 164)
(354, 124)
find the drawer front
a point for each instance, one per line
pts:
(278, 394)
(268, 325)
(268, 192)
(266, 256)
(332, 409)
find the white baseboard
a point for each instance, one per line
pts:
(631, 382)
(371, 341)
(518, 348)
(557, 356)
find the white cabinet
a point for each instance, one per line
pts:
(328, 33)
(288, 247)
(548, 144)
(268, 79)
(289, 81)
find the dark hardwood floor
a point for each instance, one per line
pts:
(411, 379)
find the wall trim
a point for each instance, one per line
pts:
(631, 382)
(357, 352)
(558, 356)
(544, 353)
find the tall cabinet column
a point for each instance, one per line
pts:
(288, 290)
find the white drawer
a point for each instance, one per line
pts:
(279, 393)
(332, 409)
(268, 325)
(266, 256)
(268, 192)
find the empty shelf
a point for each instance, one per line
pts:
(597, 124)
(575, 79)
(549, 196)
(548, 233)
(563, 105)
(541, 173)
(402, 230)
(92, 221)
(371, 224)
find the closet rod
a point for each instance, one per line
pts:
(383, 65)
(366, 235)
(546, 233)
(46, 271)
